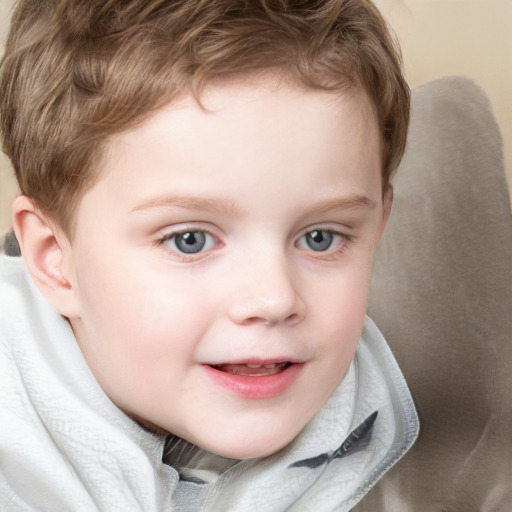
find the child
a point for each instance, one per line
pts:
(203, 185)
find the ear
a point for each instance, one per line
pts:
(47, 254)
(387, 201)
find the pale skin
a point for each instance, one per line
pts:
(279, 189)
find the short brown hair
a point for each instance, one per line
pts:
(75, 72)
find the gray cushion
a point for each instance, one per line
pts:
(442, 295)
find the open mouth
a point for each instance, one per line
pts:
(253, 370)
(255, 379)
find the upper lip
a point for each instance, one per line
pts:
(255, 361)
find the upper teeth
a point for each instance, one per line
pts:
(268, 366)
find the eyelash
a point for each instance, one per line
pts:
(328, 254)
(184, 257)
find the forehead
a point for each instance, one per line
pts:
(265, 128)
(223, 101)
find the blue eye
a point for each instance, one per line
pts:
(191, 242)
(319, 240)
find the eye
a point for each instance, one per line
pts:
(190, 242)
(319, 240)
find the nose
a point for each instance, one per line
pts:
(267, 293)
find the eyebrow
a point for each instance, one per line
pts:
(344, 202)
(188, 203)
(227, 207)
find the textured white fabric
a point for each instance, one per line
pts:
(65, 447)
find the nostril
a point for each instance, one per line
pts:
(273, 319)
(293, 318)
(266, 320)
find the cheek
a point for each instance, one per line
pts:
(340, 311)
(144, 317)
(344, 298)
(133, 331)
(134, 317)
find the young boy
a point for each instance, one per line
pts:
(203, 185)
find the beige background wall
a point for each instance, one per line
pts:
(463, 37)
(7, 182)
(438, 37)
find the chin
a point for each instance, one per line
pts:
(257, 445)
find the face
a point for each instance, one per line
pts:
(221, 262)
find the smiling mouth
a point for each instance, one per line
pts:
(253, 370)
(255, 379)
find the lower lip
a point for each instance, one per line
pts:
(266, 386)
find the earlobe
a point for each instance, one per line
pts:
(44, 250)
